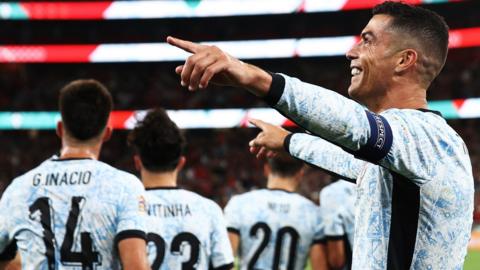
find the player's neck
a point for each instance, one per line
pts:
(412, 97)
(155, 179)
(275, 182)
(79, 152)
(72, 148)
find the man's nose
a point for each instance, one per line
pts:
(352, 53)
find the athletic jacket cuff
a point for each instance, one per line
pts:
(276, 90)
(224, 267)
(233, 230)
(286, 142)
(130, 234)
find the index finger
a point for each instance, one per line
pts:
(185, 45)
(258, 123)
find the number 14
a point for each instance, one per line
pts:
(86, 258)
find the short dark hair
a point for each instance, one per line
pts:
(423, 25)
(85, 106)
(284, 166)
(158, 141)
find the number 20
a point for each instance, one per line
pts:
(294, 236)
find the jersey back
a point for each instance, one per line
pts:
(186, 231)
(337, 203)
(276, 228)
(66, 214)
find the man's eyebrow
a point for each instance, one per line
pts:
(367, 33)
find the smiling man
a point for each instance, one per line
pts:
(413, 172)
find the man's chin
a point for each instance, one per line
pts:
(352, 91)
(356, 94)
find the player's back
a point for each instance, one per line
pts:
(186, 231)
(66, 214)
(337, 201)
(276, 228)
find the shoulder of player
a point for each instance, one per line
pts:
(194, 195)
(19, 185)
(306, 202)
(328, 189)
(122, 176)
(422, 123)
(240, 200)
(249, 195)
(414, 117)
(338, 186)
(205, 204)
(199, 198)
(25, 178)
(329, 192)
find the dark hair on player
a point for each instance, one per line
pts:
(85, 106)
(158, 141)
(422, 25)
(284, 166)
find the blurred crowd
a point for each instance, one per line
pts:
(145, 85)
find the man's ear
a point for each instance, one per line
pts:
(138, 162)
(299, 175)
(301, 172)
(59, 130)
(181, 163)
(407, 59)
(266, 169)
(107, 134)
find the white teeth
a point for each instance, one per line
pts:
(355, 71)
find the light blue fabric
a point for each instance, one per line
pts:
(110, 201)
(172, 212)
(278, 210)
(425, 151)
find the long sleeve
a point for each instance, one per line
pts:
(320, 111)
(414, 143)
(325, 155)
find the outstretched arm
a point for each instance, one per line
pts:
(274, 140)
(377, 138)
(210, 64)
(322, 112)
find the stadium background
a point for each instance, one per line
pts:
(218, 162)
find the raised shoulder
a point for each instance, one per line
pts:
(423, 144)
(206, 201)
(339, 186)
